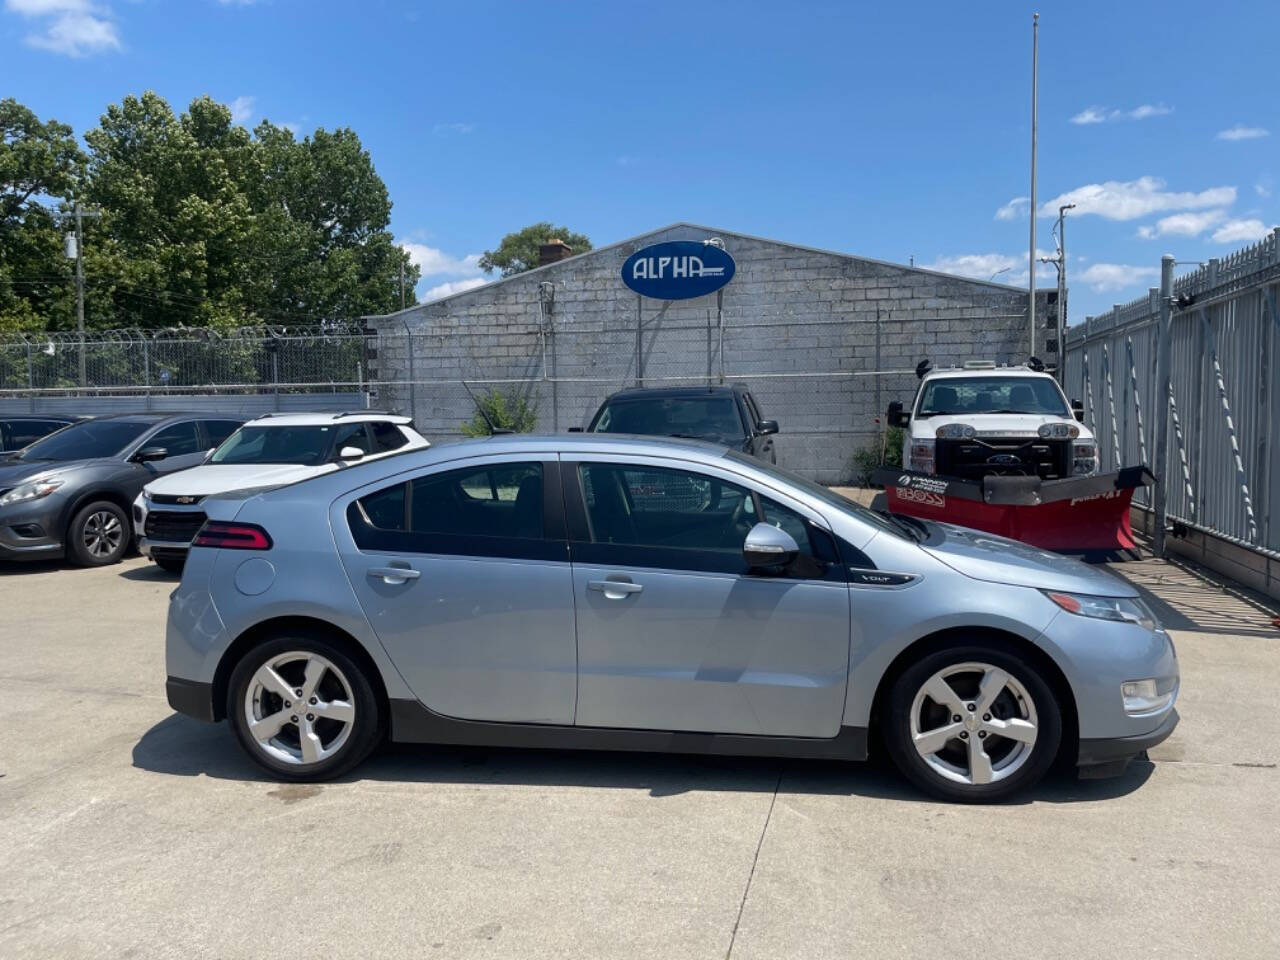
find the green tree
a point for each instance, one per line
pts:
(518, 251)
(506, 411)
(40, 163)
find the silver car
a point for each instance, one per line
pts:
(623, 593)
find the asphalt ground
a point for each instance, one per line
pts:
(129, 831)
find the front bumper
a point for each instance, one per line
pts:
(1108, 756)
(32, 530)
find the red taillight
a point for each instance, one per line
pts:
(232, 536)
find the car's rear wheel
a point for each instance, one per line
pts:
(302, 708)
(99, 534)
(974, 723)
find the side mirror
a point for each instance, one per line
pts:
(150, 454)
(769, 547)
(766, 427)
(898, 417)
(350, 453)
(1077, 410)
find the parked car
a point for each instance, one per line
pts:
(69, 493)
(17, 432)
(270, 451)
(727, 415)
(981, 420)
(632, 594)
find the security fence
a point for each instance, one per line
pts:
(1223, 406)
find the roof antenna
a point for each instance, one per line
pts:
(494, 431)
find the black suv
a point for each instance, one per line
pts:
(72, 492)
(727, 415)
(18, 431)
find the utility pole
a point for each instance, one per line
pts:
(1031, 256)
(1060, 261)
(1164, 351)
(78, 254)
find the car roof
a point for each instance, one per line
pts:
(155, 418)
(326, 419)
(976, 372)
(702, 390)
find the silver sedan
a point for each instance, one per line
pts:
(618, 593)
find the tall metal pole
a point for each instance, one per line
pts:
(1164, 353)
(1031, 253)
(80, 289)
(1062, 293)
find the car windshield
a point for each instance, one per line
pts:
(703, 418)
(952, 395)
(878, 520)
(304, 446)
(87, 440)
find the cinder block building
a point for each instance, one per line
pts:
(825, 340)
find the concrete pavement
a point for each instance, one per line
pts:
(128, 831)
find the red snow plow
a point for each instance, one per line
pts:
(1087, 515)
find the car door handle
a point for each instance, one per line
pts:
(615, 589)
(394, 575)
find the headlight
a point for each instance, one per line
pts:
(1084, 457)
(31, 490)
(921, 459)
(1119, 609)
(955, 431)
(1058, 431)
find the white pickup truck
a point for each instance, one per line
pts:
(982, 420)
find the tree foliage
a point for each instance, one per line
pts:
(202, 221)
(506, 411)
(518, 251)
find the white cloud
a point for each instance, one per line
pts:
(1107, 277)
(241, 110)
(1130, 199)
(453, 129)
(1241, 132)
(451, 287)
(998, 267)
(1183, 224)
(1263, 188)
(1015, 209)
(1090, 115)
(1241, 231)
(435, 263)
(75, 28)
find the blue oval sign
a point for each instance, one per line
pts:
(679, 270)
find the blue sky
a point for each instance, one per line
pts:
(894, 131)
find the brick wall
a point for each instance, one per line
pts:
(811, 332)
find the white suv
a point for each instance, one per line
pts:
(272, 451)
(983, 420)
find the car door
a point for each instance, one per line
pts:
(183, 450)
(674, 631)
(463, 572)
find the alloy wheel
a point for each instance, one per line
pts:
(974, 723)
(299, 708)
(103, 533)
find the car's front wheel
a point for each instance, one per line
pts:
(99, 534)
(974, 723)
(302, 708)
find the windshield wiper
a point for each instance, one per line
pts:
(912, 527)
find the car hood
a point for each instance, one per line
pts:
(213, 478)
(995, 424)
(14, 472)
(985, 556)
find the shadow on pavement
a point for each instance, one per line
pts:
(150, 573)
(180, 746)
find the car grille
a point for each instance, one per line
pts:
(1004, 457)
(172, 526)
(170, 499)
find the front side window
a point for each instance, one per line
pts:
(712, 418)
(352, 435)
(489, 510)
(178, 440)
(387, 436)
(973, 395)
(87, 440)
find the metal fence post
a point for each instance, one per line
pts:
(1164, 355)
(413, 385)
(146, 371)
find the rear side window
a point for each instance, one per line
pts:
(178, 440)
(387, 436)
(219, 430)
(492, 510)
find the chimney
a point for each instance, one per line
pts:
(553, 251)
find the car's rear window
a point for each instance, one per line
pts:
(703, 418)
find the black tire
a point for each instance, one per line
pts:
(896, 721)
(171, 563)
(85, 548)
(367, 726)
